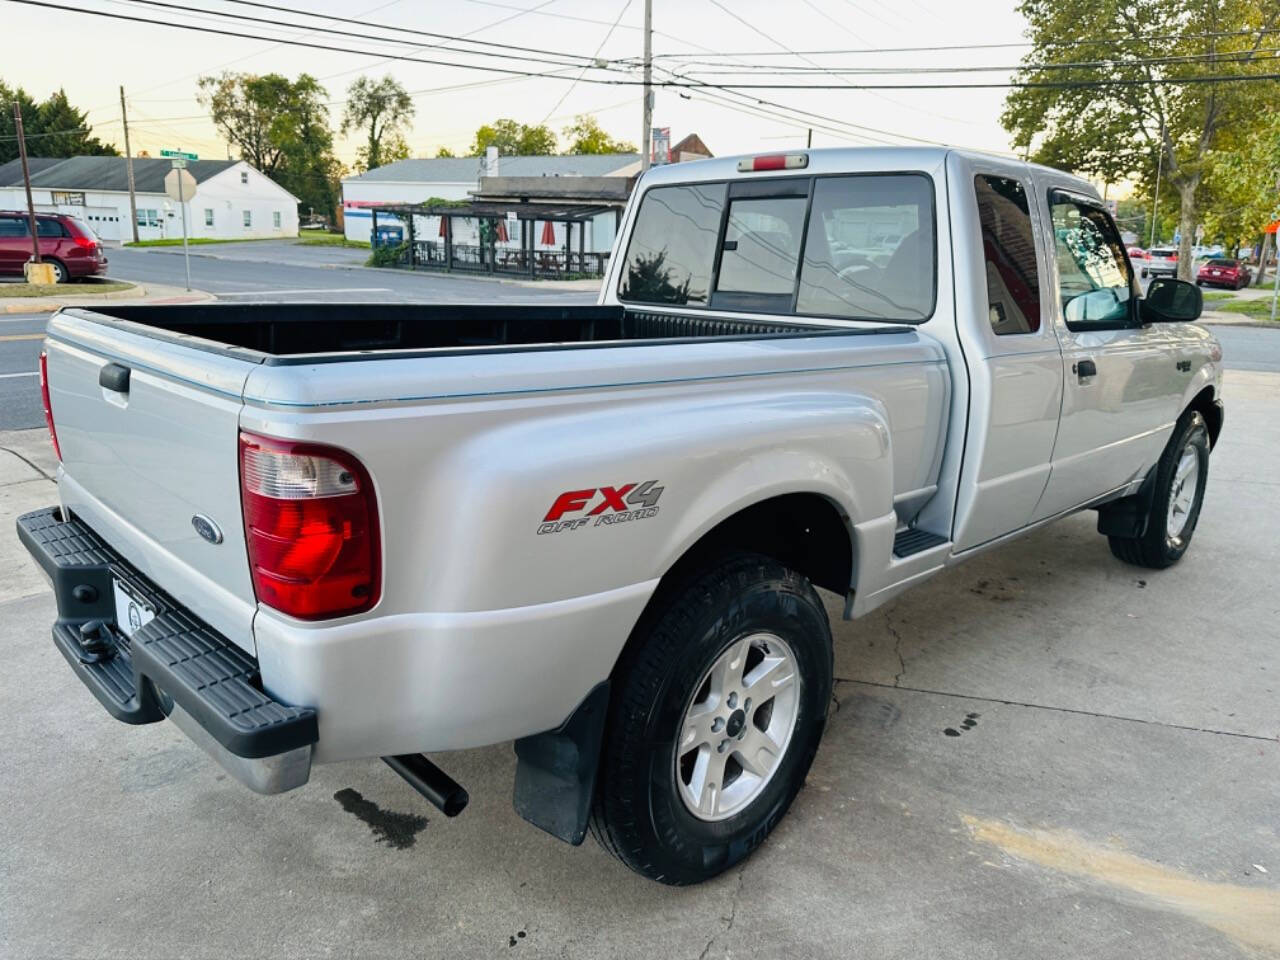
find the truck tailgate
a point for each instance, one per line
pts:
(140, 462)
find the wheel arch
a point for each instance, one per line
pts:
(1207, 405)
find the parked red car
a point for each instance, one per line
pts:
(65, 242)
(1137, 253)
(1224, 273)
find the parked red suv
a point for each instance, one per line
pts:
(65, 242)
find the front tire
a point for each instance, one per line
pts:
(719, 704)
(1181, 476)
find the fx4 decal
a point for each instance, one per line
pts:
(601, 506)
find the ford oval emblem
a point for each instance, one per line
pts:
(206, 528)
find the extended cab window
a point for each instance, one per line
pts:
(869, 252)
(673, 245)
(1009, 250)
(1094, 283)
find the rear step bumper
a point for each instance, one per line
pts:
(173, 666)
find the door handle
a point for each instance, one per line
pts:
(115, 377)
(1084, 369)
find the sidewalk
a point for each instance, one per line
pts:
(141, 293)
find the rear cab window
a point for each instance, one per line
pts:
(1009, 254)
(853, 246)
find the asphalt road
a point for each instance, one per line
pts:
(290, 271)
(1040, 753)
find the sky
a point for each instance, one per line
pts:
(158, 65)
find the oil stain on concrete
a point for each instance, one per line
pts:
(398, 830)
(1248, 915)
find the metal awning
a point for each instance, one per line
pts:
(559, 212)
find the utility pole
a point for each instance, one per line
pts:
(1155, 204)
(26, 181)
(128, 166)
(647, 133)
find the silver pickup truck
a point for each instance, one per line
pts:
(309, 533)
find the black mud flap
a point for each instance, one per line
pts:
(556, 770)
(1127, 517)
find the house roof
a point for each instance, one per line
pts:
(468, 169)
(104, 173)
(691, 144)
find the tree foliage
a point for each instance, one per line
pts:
(52, 127)
(586, 136)
(514, 139)
(1111, 103)
(281, 127)
(383, 109)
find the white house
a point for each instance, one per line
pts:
(457, 178)
(233, 201)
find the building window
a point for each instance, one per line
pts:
(244, 176)
(1009, 248)
(275, 219)
(248, 218)
(208, 216)
(148, 217)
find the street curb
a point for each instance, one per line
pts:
(140, 293)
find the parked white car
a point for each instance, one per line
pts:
(321, 532)
(1160, 262)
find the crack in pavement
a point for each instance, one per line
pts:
(29, 463)
(1074, 710)
(897, 650)
(733, 914)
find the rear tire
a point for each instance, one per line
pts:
(719, 704)
(61, 274)
(1175, 509)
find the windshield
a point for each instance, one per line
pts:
(851, 247)
(1221, 263)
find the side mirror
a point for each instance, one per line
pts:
(1171, 301)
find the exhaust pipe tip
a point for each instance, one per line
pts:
(441, 790)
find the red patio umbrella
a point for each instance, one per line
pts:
(548, 234)
(501, 234)
(443, 226)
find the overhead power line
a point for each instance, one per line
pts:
(678, 84)
(509, 52)
(937, 48)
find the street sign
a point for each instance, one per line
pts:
(179, 178)
(181, 154)
(178, 163)
(181, 186)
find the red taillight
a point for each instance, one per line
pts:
(85, 243)
(774, 161)
(311, 527)
(48, 407)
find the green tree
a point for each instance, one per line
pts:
(383, 109)
(1244, 186)
(445, 152)
(586, 136)
(53, 128)
(1111, 104)
(281, 127)
(514, 139)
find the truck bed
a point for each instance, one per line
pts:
(314, 332)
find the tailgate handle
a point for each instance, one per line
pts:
(114, 376)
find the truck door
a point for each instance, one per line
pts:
(1121, 384)
(1014, 362)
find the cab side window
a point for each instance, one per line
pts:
(13, 227)
(1009, 250)
(1094, 282)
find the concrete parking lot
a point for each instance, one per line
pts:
(1042, 753)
